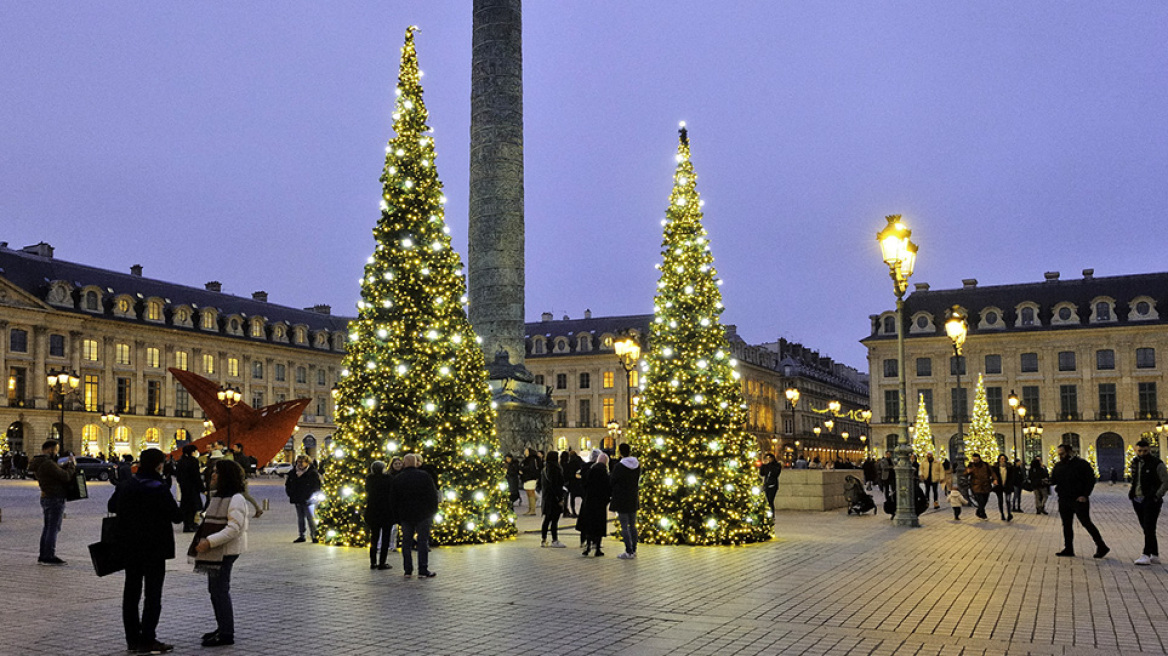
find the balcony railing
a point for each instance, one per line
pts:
(188, 414)
(1148, 414)
(956, 417)
(22, 403)
(891, 419)
(1069, 416)
(1108, 416)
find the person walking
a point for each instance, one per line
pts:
(379, 514)
(981, 481)
(884, 470)
(625, 482)
(593, 520)
(952, 494)
(1148, 487)
(53, 480)
(218, 551)
(1074, 479)
(301, 484)
(1040, 481)
(1019, 478)
(931, 474)
(770, 470)
(529, 473)
(512, 477)
(190, 486)
(1005, 477)
(869, 468)
(145, 510)
(126, 468)
(552, 484)
(415, 502)
(574, 475)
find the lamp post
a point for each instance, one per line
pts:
(792, 395)
(866, 417)
(62, 382)
(229, 397)
(110, 419)
(957, 329)
(1033, 430)
(1013, 400)
(1021, 412)
(628, 350)
(900, 254)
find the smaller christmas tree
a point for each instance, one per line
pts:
(1093, 458)
(923, 437)
(981, 438)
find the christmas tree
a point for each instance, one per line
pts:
(981, 438)
(1093, 459)
(697, 485)
(923, 436)
(414, 380)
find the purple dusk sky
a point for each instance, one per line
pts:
(242, 142)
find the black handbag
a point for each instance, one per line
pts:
(76, 488)
(105, 555)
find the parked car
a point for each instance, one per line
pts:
(278, 468)
(94, 468)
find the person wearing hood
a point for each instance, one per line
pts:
(593, 520)
(625, 482)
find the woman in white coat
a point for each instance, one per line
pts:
(218, 551)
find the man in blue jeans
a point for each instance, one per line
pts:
(415, 502)
(53, 480)
(625, 480)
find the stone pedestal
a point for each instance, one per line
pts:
(812, 489)
(524, 415)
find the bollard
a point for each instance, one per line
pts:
(265, 505)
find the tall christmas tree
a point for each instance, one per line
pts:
(697, 485)
(414, 379)
(923, 436)
(981, 438)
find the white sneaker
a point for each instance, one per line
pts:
(543, 543)
(1155, 560)
(627, 556)
(556, 544)
(1144, 560)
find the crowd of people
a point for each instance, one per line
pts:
(14, 465)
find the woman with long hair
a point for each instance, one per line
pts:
(529, 472)
(1004, 478)
(218, 551)
(593, 520)
(553, 497)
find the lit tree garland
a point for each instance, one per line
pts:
(414, 379)
(981, 438)
(1093, 459)
(697, 485)
(923, 436)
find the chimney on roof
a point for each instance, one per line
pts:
(262, 297)
(566, 318)
(41, 250)
(319, 309)
(587, 314)
(731, 330)
(921, 287)
(1051, 276)
(1088, 274)
(214, 286)
(969, 283)
(546, 316)
(136, 270)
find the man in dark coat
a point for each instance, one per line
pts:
(573, 474)
(53, 480)
(378, 514)
(145, 539)
(770, 471)
(1149, 485)
(593, 520)
(190, 486)
(981, 481)
(415, 502)
(625, 481)
(1074, 480)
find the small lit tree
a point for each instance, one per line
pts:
(981, 438)
(923, 435)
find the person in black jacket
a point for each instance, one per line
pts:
(593, 520)
(529, 473)
(770, 471)
(572, 474)
(379, 514)
(190, 486)
(1074, 480)
(145, 511)
(552, 482)
(301, 484)
(625, 481)
(1040, 481)
(1005, 477)
(415, 502)
(1148, 486)
(512, 475)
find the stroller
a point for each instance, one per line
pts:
(859, 501)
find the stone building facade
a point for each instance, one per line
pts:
(576, 359)
(1084, 356)
(120, 332)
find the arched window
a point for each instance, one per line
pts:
(889, 325)
(538, 346)
(1027, 316)
(91, 302)
(584, 342)
(1103, 311)
(1072, 439)
(153, 438)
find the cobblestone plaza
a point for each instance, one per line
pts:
(830, 584)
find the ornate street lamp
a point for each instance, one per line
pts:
(229, 397)
(1013, 400)
(110, 419)
(792, 395)
(900, 254)
(1021, 412)
(61, 383)
(957, 329)
(628, 350)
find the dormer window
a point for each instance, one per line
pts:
(922, 323)
(890, 325)
(561, 345)
(1027, 315)
(584, 343)
(990, 318)
(538, 346)
(92, 302)
(1143, 308)
(1103, 311)
(1065, 314)
(257, 328)
(154, 311)
(208, 321)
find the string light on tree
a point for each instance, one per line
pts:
(690, 432)
(923, 436)
(981, 438)
(413, 378)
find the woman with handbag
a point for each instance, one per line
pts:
(225, 526)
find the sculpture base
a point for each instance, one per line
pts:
(524, 415)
